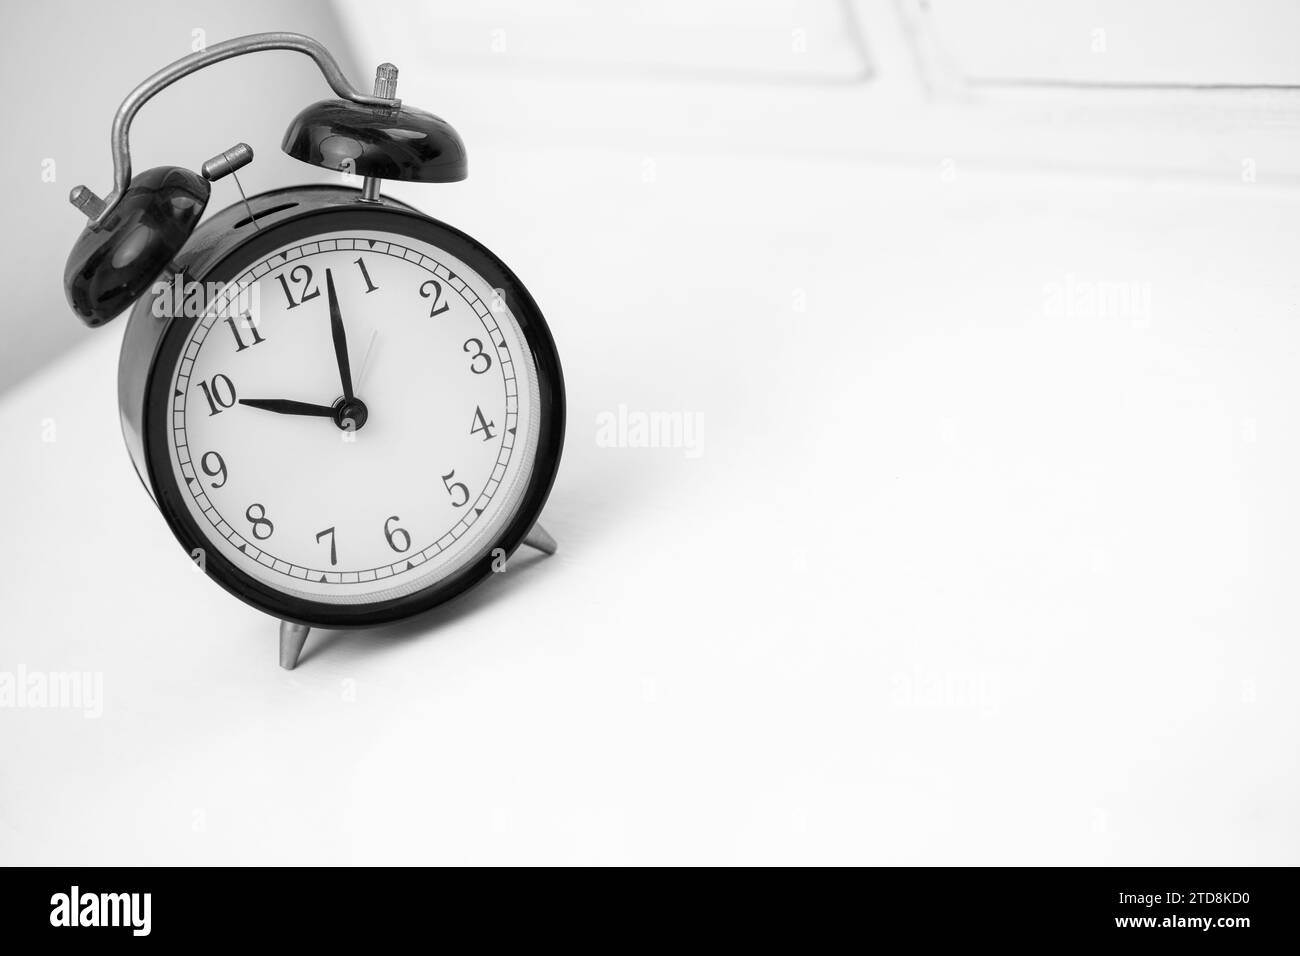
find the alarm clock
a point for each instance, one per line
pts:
(346, 411)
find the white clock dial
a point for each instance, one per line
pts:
(401, 490)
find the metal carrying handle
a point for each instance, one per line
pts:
(98, 210)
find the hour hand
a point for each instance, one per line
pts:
(287, 406)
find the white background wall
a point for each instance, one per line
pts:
(866, 80)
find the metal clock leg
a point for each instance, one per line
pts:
(292, 638)
(540, 539)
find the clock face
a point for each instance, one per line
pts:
(355, 418)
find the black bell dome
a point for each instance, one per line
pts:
(405, 144)
(109, 268)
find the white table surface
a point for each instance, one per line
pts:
(953, 580)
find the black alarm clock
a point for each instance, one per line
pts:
(347, 412)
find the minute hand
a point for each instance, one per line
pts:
(340, 338)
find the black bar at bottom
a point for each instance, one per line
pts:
(1228, 907)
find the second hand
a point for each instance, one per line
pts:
(365, 359)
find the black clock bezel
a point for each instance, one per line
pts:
(400, 221)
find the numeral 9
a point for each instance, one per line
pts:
(213, 470)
